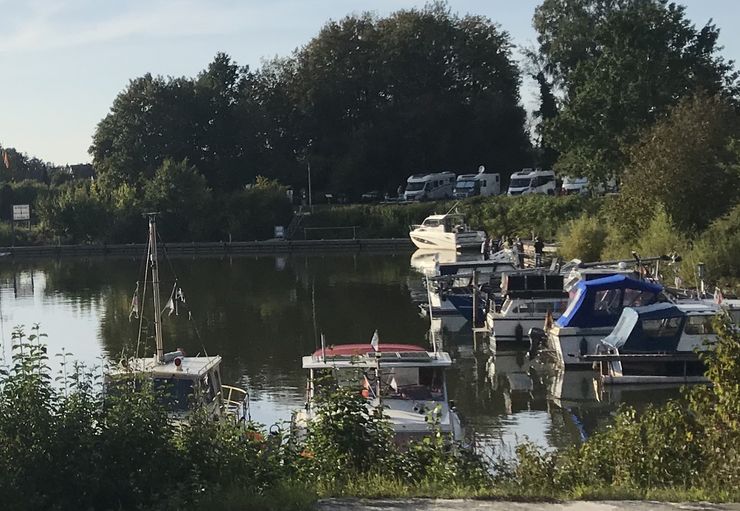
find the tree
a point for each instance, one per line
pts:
(689, 163)
(621, 64)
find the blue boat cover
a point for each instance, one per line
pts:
(599, 302)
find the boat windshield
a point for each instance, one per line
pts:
(520, 183)
(414, 187)
(174, 393)
(407, 383)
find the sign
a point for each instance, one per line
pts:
(21, 212)
(279, 231)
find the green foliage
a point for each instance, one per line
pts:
(679, 446)
(73, 212)
(688, 162)
(583, 238)
(620, 65)
(717, 247)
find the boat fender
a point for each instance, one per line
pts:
(583, 346)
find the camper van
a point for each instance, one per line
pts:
(529, 181)
(429, 186)
(470, 185)
(574, 185)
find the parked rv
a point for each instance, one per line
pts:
(529, 181)
(574, 185)
(429, 186)
(471, 185)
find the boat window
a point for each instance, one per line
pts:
(208, 388)
(544, 307)
(699, 325)
(412, 383)
(431, 222)
(663, 327)
(637, 298)
(174, 393)
(607, 302)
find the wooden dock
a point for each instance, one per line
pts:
(381, 245)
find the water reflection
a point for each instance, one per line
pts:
(263, 314)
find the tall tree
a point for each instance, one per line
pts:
(619, 65)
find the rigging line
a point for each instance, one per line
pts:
(187, 307)
(143, 299)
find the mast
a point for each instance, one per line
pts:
(155, 287)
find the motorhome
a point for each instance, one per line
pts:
(429, 186)
(471, 185)
(574, 185)
(529, 181)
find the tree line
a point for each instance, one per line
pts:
(370, 100)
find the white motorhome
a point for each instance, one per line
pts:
(574, 185)
(470, 185)
(429, 186)
(529, 181)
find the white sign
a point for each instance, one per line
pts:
(21, 212)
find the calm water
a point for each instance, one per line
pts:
(263, 314)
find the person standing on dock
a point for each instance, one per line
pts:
(485, 248)
(538, 247)
(519, 249)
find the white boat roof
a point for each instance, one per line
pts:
(355, 355)
(191, 367)
(442, 217)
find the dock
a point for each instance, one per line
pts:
(267, 247)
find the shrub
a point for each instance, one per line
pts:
(584, 239)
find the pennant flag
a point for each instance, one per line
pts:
(170, 305)
(375, 341)
(134, 307)
(6, 160)
(394, 384)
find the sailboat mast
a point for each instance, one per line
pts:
(155, 287)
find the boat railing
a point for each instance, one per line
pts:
(236, 401)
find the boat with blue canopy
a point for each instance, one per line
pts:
(593, 310)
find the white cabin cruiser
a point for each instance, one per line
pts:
(445, 232)
(528, 298)
(407, 381)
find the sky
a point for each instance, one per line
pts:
(64, 61)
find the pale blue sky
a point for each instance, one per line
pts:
(64, 61)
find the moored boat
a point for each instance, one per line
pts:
(406, 381)
(445, 232)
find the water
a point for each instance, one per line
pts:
(263, 314)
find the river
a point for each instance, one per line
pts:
(262, 314)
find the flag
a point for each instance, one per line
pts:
(718, 297)
(134, 307)
(6, 160)
(394, 384)
(170, 305)
(375, 341)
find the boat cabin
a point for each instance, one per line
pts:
(600, 302)
(663, 328)
(452, 222)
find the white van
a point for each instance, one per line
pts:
(429, 186)
(470, 185)
(529, 181)
(574, 185)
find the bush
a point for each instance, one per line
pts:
(584, 238)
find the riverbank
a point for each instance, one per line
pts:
(377, 245)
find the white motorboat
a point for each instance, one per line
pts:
(529, 298)
(445, 232)
(406, 381)
(180, 379)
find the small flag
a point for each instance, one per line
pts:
(375, 341)
(6, 160)
(170, 305)
(718, 297)
(134, 313)
(394, 384)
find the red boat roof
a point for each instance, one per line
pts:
(363, 349)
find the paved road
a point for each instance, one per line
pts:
(483, 505)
